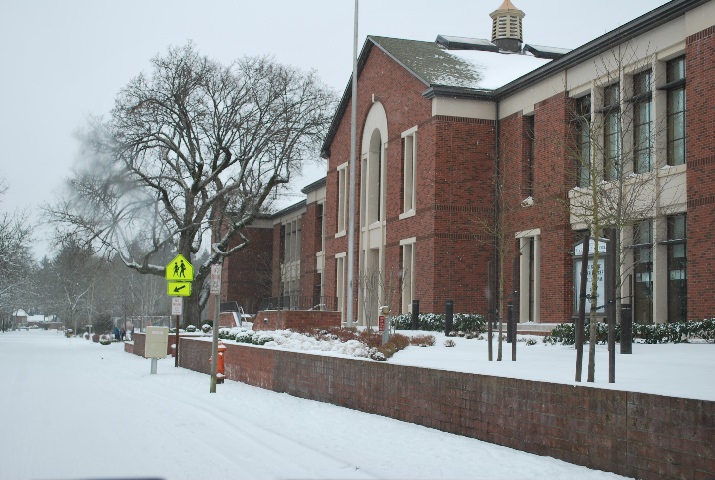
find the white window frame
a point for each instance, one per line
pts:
(409, 172)
(408, 273)
(342, 200)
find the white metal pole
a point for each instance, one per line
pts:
(353, 161)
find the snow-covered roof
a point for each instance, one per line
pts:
(436, 66)
(500, 68)
(41, 318)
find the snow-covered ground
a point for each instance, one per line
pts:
(679, 370)
(76, 409)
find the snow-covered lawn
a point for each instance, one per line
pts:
(76, 409)
(679, 370)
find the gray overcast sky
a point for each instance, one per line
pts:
(63, 60)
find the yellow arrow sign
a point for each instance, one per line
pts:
(179, 269)
(179, 289)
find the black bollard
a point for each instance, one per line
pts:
(448, 317)
(510, 323)
(626, 329)
(415, 314)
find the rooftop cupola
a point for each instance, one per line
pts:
(506, 27)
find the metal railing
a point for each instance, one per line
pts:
(298, 302)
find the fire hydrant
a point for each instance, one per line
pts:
(220, 374)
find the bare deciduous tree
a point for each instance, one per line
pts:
(196, 148)
(15, 260)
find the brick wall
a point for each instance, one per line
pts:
(246, 274)
(553, 176)
(700, 105)
(453, 190)
(632, 434)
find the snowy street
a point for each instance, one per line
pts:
(77, 409)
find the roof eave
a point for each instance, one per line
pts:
(630, 30)
(458, 92)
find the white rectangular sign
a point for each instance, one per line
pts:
(215, 279)
(176, 304)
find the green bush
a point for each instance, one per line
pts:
(244, 337)
(434, 322)
(565, 334)
(675, 332)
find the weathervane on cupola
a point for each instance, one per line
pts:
(507, 36)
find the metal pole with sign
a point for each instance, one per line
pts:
(216, 292)
(177, 305)
(179, 273)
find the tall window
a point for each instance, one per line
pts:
(320, 227)
(643, 272)
(292, 240)
(340, 281)
(642, 123)
(677, 269)
(373, 185)
(675, 78)
(407, 273)
(527, 170)
(583, 141)
(611, 132)
(409, 170)
(342, 198)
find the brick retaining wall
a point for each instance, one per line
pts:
(633, 434)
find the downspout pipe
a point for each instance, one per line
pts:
(497, 207)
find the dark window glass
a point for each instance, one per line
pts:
(527, 170)
(676, 111)
(642, 123)
(611, 133)
(677, 269)
(583, 139)
(643, 272)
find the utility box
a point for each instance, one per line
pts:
(157, 341)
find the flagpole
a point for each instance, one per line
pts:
(353, 161)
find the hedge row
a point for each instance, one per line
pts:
(434, 322)
(675, 332)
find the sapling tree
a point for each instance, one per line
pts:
(618, 175)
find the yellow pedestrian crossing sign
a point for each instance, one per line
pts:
(178, 289)
(180, 270)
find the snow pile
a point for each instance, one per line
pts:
(327, 344)
(290, 340)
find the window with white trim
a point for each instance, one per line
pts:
(409, 169)
(642, 122)
(675, 76)
(407, 273)
(342, 198)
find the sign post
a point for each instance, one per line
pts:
(179, 273)
(216, 292)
